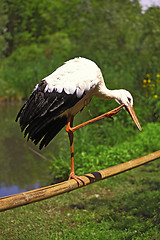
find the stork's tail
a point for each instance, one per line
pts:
(42, 129)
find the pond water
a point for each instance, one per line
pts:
(22, 166)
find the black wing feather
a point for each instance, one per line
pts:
(39, 116)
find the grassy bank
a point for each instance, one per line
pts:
(123, 207)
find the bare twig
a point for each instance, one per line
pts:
(39, 154)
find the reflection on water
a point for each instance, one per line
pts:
(21, 169)
(15, 189)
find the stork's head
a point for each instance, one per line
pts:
(124, 97)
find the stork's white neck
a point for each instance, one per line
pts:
(120, 95)
(107, 94)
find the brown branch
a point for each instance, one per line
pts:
(25, 198)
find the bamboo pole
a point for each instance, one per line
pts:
(28, 197)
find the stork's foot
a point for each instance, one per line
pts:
(77, 178)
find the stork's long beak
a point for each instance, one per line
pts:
(131, 111)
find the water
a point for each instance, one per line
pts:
(22, 165)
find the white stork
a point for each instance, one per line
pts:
(60, 96)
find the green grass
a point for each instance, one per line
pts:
(123, 207)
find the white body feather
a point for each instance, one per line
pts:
(78, 75)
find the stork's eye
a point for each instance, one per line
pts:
(129, 99)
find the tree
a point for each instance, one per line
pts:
(27, 22)
(3, 29)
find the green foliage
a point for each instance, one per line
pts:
(150, 97)
(58, 46)
(42, 35)
(26, 66)
(22, 69)
(3, 29)
(27, 21)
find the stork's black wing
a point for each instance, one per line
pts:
(39, 116)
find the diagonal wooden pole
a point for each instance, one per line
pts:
(28, 197)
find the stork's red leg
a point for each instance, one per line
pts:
(108, 115)
(70, 134)
(70, 129)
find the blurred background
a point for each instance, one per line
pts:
(36, 37)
